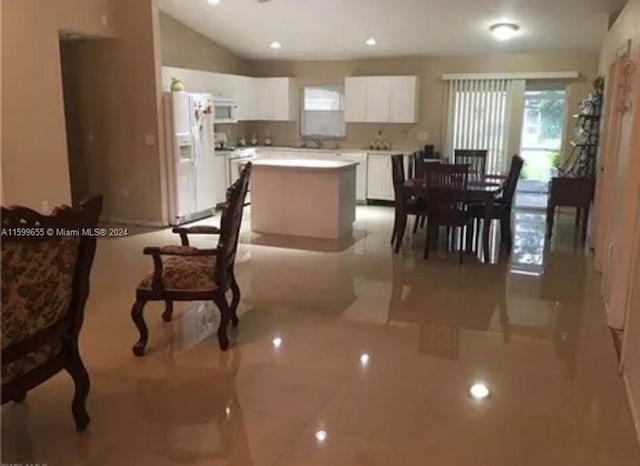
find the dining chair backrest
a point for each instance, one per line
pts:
(511, 182)
(476, 159)
(397, 173)
(447, 176)
(445, 183)
(417, 164)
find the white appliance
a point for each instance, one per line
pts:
(190, 156)
(225, 110)
(237, 161)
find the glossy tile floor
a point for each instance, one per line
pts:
(347, 355)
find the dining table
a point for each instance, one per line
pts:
(480, 189)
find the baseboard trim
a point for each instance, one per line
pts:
(634, 409)
(130, 221)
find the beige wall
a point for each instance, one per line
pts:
(432, 89)
(183, 47)
(121, 137)
(34, 157)
(118, 92)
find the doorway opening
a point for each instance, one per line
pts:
(541, 143)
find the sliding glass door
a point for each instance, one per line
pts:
(542, 131)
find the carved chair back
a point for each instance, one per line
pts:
(46, 262)
(230, 226)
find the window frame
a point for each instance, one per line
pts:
(303, 112)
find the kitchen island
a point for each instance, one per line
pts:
(310, 198)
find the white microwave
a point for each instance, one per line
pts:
(225, 110)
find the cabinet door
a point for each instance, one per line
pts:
(283, 98)
(404, 99)
(246, 96)
(378, 99)
(379, 179)
(355, 97)
(264, 99)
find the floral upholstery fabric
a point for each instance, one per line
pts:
(31, 361)
(37, 279)
(185, 273)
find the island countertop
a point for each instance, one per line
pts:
(305, 164)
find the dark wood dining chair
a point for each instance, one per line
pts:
(192, 274)
(476, 159)
(503, 203)
(446, 202)
(404, 206)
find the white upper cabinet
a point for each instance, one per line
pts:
(271, 99)
(378, 99)
(276, 99)
(404, 99)
(381, 99)
(355, 94)
(246, 98)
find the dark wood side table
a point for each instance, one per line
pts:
(570, 192)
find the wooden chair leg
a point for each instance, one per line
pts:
(551, 210)
(429, 238)
(506, 218)
(460, 231)
(168, 311)
(81, 381)
(585, 224)
(423, 221)
(394, 233)
(225, 316)
(402, 226)
(235, 301)
(416, 224)
(138, 320)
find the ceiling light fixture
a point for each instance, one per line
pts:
(275, 45)
(364, 359)
(479, 391)
(213, 2)
(321, 435)
(371, 41)
(504, 31)
(277, 342)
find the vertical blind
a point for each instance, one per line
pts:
(478, 118)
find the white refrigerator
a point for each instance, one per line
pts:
(191, 164)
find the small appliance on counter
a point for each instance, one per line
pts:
(220, 140)
(242, 142)
(267, 139)
(254, 140)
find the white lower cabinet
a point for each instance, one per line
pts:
(379, 178)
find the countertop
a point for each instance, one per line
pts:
(288, 164)
(318, 151)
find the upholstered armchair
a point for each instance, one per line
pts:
(186, 273)
(46, 262)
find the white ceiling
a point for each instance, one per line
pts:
(337, 29)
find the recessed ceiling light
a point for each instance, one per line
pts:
(277, 342)
(364, 359)
(275, 45)
(213, 2)
(321, 435)
(479, 391)
(504, 31)
(371, 41)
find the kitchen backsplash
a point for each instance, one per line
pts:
(359, 135)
